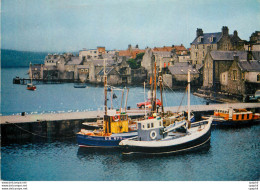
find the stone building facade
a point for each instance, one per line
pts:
(215, 41)
(217, 63)
(243, 77)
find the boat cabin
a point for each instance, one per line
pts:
(150, 129)
(115, 122)
(234, 114)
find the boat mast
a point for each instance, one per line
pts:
(31, 71)
(161, 89)
(154, 98)
(105, 86)
(126, 98)
(188, 95)
(144, 104)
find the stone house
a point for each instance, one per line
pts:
(254, 42)
(217, 63)
(242, 78)
(83, 72)
(113, 77)
(215, 41)
(36, 71)
(95, 66)
(179, 72)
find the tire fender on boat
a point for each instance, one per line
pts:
(115, 118)
(153, 135)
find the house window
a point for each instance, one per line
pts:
(234, 74)
(224, 77)
(258, 77)
(243, 76)
(203, 51)
(203, 46)
(196, 54)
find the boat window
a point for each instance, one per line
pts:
(152, 125)
(237, 116)
(160, 123)
(143, 126)
(148, 125)
(139, 125)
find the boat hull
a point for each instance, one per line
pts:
(222, 122)
(169, 149)
(102, 141)
(31, 88)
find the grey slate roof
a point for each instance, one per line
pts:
(206, 38)
(228, 55)
(256, 55)
(100, 62)
(182, 69)
(108, 70)
(252, 65)
(74, 61)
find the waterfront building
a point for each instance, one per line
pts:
(215, 41)
(243, 77)
(217, 62)
(179, 72)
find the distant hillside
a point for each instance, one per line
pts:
(12, 58)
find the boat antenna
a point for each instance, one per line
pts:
(161, 88)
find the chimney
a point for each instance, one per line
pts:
(235, 33)
(224, 30)
(249, 56)
(199, 32)
(236, 58)
(129, 46)
(137, 47)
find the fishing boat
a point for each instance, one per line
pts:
(115, 126)
(31, 86)
(81, 85)
(230, 116)
(154, 137)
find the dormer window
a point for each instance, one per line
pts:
(212, 38)
(200, 39)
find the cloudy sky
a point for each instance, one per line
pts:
(70, 25)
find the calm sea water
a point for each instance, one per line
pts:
(233, 153)
(49, 98)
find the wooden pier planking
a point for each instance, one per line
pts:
(95, 114)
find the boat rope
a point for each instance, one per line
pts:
(38, 134)
(182, 99)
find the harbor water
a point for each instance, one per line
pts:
(233, 153)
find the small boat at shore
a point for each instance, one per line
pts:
(31, 86)
(80, 85)
(231, 116)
